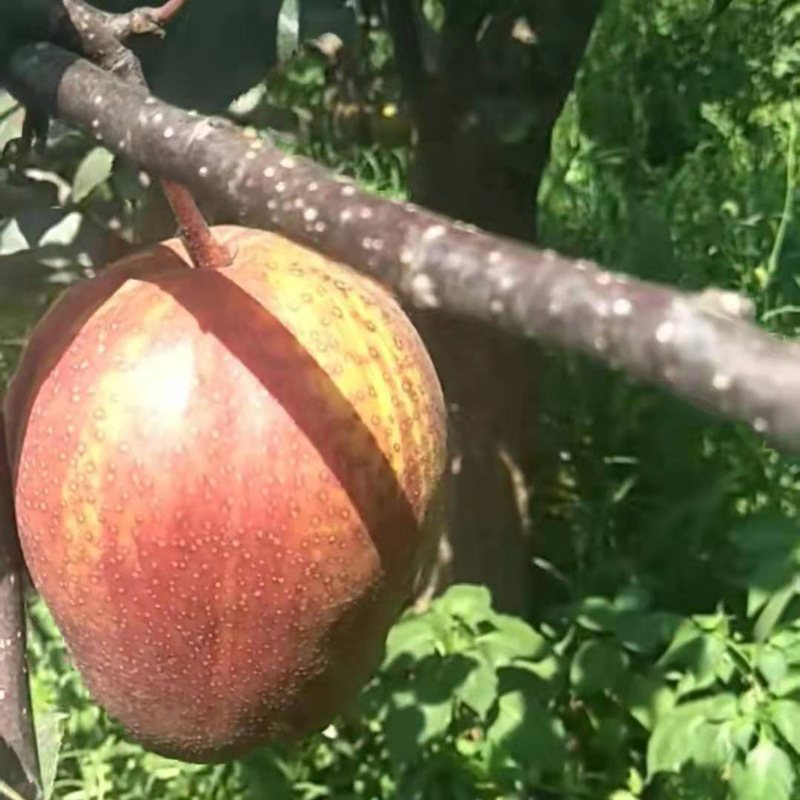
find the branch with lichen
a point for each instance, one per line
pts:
(701, 347)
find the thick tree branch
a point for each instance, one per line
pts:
(699, 347)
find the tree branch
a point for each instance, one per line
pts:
(701, 347)
(19, 761)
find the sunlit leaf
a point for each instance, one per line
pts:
(94, 170)
(691, 732)
(64, 231)
(49, 735)
(479, 689)
(512, 639)
(767, 774)
(772, 665)
(412, 637)
(786, 716)
(12, 239)
(467, 601)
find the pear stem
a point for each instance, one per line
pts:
(204, 251)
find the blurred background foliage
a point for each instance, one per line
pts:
(662, 660)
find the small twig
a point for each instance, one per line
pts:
(166, 12)
(102, 35)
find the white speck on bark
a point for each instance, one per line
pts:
(423, 290)
(721, 382)
(665, 332)
(434, 232)
(622, 307)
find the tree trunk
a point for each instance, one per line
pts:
(484, 123)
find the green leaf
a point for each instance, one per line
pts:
(685, 636)
(645, 632)
(772, 664)
(766, 533)
(647, 699)
(633, 597)
(437, 718)
(529, 676)
(288, 29)
(598, 666)
(410, 725)
(787, 641)
(412, 637)
(596, 614)
(691, 732)
(524, 728)
(774, 609)
(64, 231)
(479, 689)
(439, 678)
(403, 728)
(701, 656)
(467, 601)
(742, 731)
(512, 639)
(786, 716)
(12, 238)
(94, 170)
(773, 577)
(789, 685)
(49, 735)
(767, 774)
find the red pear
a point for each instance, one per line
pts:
(226, 482)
